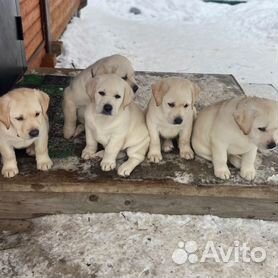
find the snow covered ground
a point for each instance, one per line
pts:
(180, 36)
(137, 245)
(170, 36)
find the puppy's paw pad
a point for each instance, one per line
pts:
(44, 165)
(107, 165)
(188, 154)
(31, 151)
(155, 158)
(88, 153)
(125, 170)
(248, 174)
(9, 172)
(167, 146)
(223, 174)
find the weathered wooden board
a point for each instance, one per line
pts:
(174, 186)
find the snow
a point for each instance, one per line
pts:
(138, 245)
(182, 177)
(180, 36)
(273, 178)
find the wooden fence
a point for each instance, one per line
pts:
(44, 20)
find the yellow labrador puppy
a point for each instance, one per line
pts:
(24, 123)
(233, 130)
(114, 121)
(75, 97)
(170, 114)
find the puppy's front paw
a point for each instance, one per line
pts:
(125, 169)
(44, 165)
(222, 173)
(107, 165)
(248, 174)
(154, 157)
(9, 172)
(167, 146)
(187, 153)
(88, 153)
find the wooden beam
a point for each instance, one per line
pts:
(46, 25)
(174, 186)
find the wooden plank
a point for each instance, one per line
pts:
(60, 23)
(31, 33)
(36, 59)
(53, 4)
(27, 7)
(33, 204)
(32, 17)
(34, 44)
(174, 186)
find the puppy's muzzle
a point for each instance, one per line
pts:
(34, 133)
(177, 121)
(271, 145)
(135, 88)
(107, 109)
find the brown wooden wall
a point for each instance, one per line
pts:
(33, 32)
(60, 13)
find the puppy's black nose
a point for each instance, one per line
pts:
(271, 145)
(135, 88)
(178, 121)
(107, 108)
(34, 133)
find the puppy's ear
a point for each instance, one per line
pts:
(5, 111)
(244, 117)
(128, 97)
(43, 99)
(195, 92)
(91, 88)
(92, 73)
(101, 69)
(159, 89)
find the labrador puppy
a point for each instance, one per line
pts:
(114, 121)
(233, 130)
(76, 98)
(24, 123)
(170, 114)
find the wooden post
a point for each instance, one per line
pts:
(49, 59)
(46, 24)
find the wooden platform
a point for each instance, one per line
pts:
(174, 186)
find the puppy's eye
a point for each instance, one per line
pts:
(117, 96)
(262, 129)
(124, 77)
(20, 118)
(171, 104)
(37, 114)
(102, 93)
(186, 105)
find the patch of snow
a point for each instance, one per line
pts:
(183, 177)
(133, 244)
(273, 178)
(179, 36)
